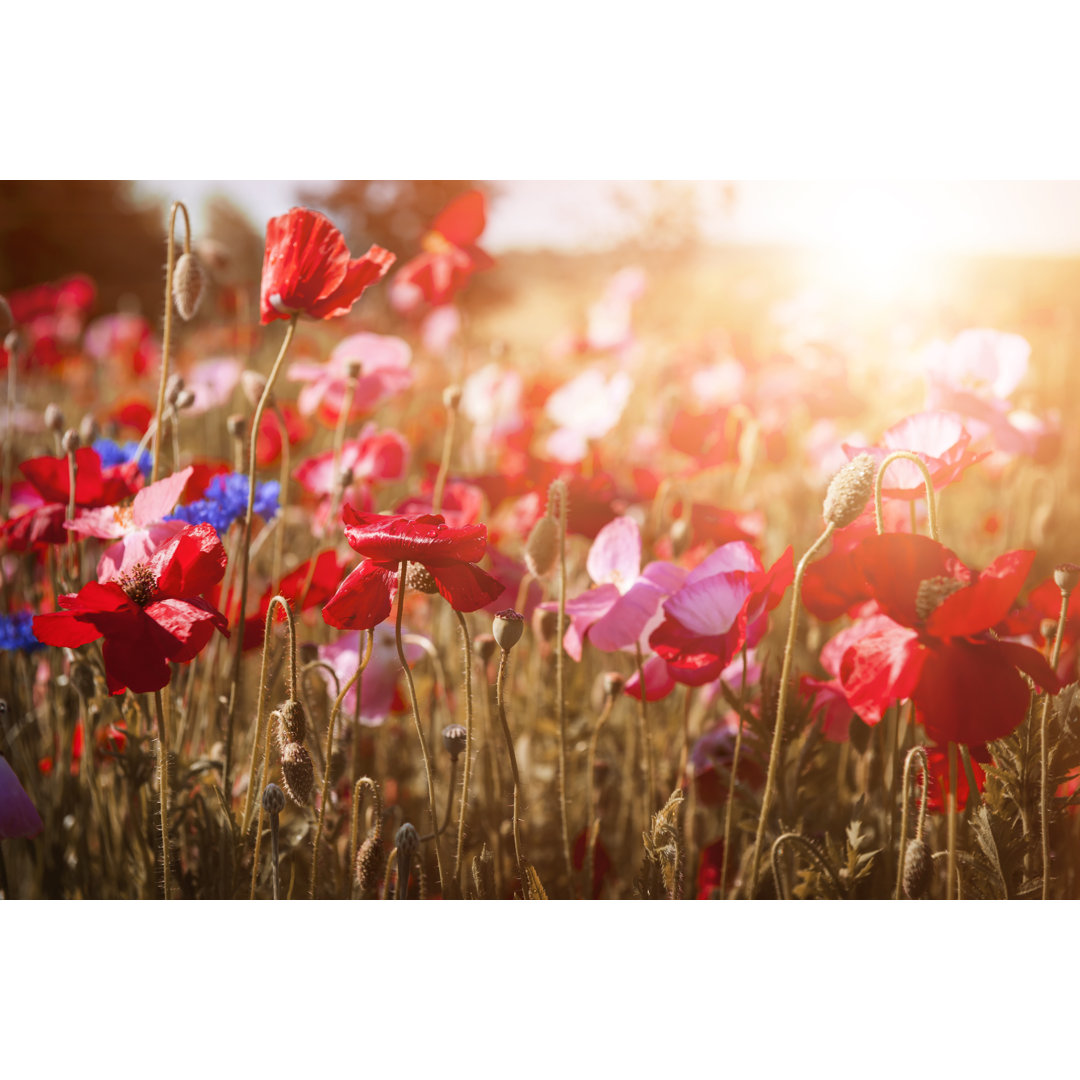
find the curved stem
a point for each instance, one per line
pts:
(283, 497)
(1044, 751)
(931, 508)
(331, 723)
(264, 690)
(504, 656)
(262, 813)
(915, 753)
(402, 575)
(802, 842)
(646, 738)
(467, 647)
(155, 466)
(781, 704)
(354, 832)
(234, 694)
(163, 784)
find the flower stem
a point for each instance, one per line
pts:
(781, 704)
(467, 647)
(950, 865)
(338, 488)
(931, 508)
(504, 656)
(402, 574)
(283, 496)
(234, 694)
(815, 855)
(167, 334)
(916, 753)
(729, 813)
(444, 464)
(163, 785)
(646, 739)
(1044, 751)
(590, 796)
(559, 490)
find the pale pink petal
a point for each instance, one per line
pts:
(732, 556)
(615, 555)
(567, 446)
(710, 606)
(212, 382)
(136, 547)
(101, 522)
(439, 329)
(154, 501)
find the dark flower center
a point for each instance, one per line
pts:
(139, 584)
(932, 592)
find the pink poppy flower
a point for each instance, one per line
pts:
(984, 364)
(380, 677)
(938, 438)
(18, 815)
(624, 607)
(124, 340)
(138, 529)
(585, 408)
(384, 370)
(212, 382)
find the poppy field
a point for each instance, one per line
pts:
(402, 570)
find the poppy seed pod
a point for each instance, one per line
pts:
(71, 441)
(1067, 577)
(54, 418)
(918, 869)
(297, 773)
(273, 800)
(849, 491)
(542, 547)
(292, 723)
(507, 627)
(187, 290)
(454, 737)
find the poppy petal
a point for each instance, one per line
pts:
(881, 668)
(363, 599)
(191, 563)
(466, 587)
(985, 603)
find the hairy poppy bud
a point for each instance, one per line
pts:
(454, 737)
(613, 684)
(849, 491)
(542, 547)
(273, 799)
(291, 721)
(1067, 577)
(54, 418)
(185, 399)
(187, 286)
(370, 861)
(297, 773)
(308, 652)
(407, 842)
(918, 869)
(70, 442)
(88, 430)
(545, 624)
(507, 627)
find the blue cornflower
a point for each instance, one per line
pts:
(112, 453)
(16, 632)
(226, 500)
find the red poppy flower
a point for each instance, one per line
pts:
(965, 685)
(150, 616)
(307, 268)
(365, 597)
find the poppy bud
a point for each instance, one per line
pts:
(849, 491)
(70, 442)
(185, 399)
(454, 737)
(7, 320)
(918, 869)
(613, 684)
(484, 646)
(236, 425)
(253, 384)
(542, 547)
(545, 624)
(297, 773)
(507, 627)
(173, 387)
(370, 860)
(419, 577)
(407, 842)
(1067, 577)
(273, 799)
(353, 367)
(451, 397)
(292, 723)
(187, 287)
(54, 418)
(88, 430)
(308, 652)
(336, 768)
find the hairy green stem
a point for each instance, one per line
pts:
(931, 507)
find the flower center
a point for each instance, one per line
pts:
(139, 584)
(124, 517)
(932, 592)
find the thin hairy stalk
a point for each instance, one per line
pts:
(504, 657)
(931, 507)
(283, 497)
(646, 738)
(324, 666)
(365, 782)
(281, 602)
(402, 575)
(1044, 752)
(950, 866)
(262, 812)
(329, 749)
(729, 811)
(274, 852)
(163, 785)
(815, 855)
(234, 693)
(590, 792)
(467, 657)
(449, 806)
(444, 464)
(781, 704)
(559, 490)
(159, 414)
(917, 753)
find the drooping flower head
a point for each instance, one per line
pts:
(307, 268)
(448, 554)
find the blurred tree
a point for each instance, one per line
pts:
(52, 228)
(392, 213)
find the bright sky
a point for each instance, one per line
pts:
(907, 216)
